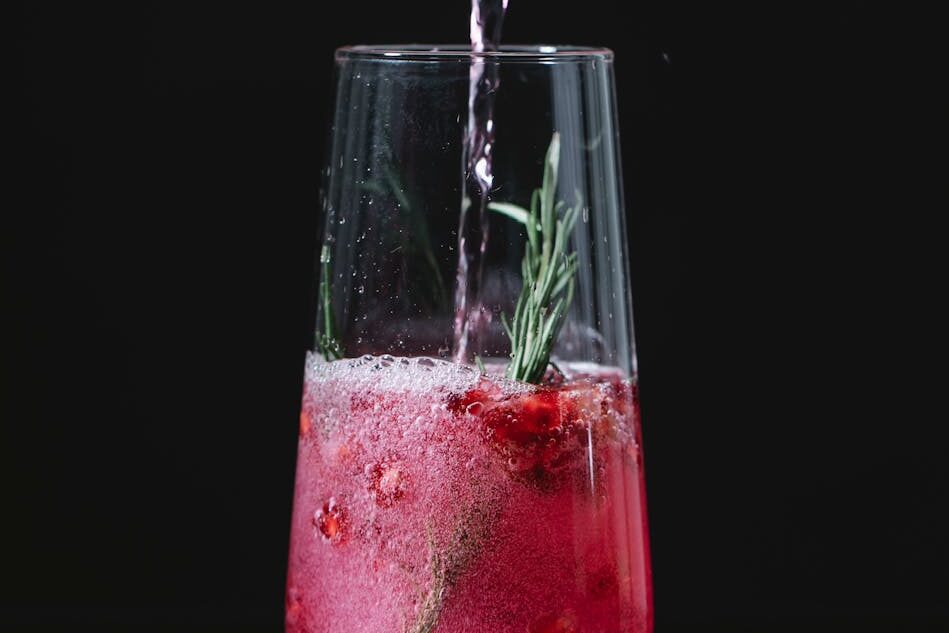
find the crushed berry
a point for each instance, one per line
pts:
(305, 423)
(531, 432)
(330, 520)
(387, 482)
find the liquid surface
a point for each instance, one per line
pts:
(430, 498)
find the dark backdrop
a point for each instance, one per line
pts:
(158, 238)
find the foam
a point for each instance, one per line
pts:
(408, 375)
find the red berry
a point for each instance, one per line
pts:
(485, 393)
(331, 521)
(533, 432)
(305, 423)
(387, 482)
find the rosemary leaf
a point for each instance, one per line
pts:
(547, 270)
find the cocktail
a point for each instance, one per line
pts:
(470, 451)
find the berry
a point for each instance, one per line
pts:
(532, 432)
(484, 394)
(526, 421)
(305, 423)
(387, 482)
(330, 520)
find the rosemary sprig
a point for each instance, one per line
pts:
(547, 270)
(327, 341)
(449, 562)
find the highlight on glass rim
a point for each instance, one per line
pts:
(470, 454)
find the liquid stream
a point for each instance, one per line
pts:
(487, 17)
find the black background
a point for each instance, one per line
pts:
(158, 240)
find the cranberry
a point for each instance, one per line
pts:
(526, 421)
(485, 393)
(305, 423)
(530, 432)
(331, 521)
(387, 482)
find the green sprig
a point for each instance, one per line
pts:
(449, 561)
(548, 273)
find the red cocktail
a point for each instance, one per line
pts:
(432, 497)
(472, 210)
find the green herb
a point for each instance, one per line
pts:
(448, 563)
(327, 341)
(548, 273)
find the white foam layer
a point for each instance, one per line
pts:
(409, 375)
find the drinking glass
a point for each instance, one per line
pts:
(470, 450)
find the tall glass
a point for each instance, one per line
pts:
(469, 453)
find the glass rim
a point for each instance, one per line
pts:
(548, 53)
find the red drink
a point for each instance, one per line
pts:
(431, 498)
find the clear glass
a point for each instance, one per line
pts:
(435, 493)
